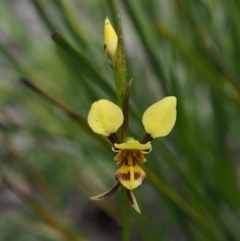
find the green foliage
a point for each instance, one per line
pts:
(51, 162)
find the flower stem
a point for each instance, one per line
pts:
(125, 216)
(123, 92)
(120, 67)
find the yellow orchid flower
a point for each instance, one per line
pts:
(106, 118)
(130, 174)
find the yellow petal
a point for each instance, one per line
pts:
(110, 41)
(159, 118)
(105, 117)
(133, 145)
(130, 174)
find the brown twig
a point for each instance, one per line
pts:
(72, 114)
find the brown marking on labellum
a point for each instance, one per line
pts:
(123, 176)
(126, 176)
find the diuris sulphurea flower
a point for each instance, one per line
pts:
(105, 118)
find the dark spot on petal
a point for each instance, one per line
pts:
(123, 176)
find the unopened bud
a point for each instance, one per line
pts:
(110, 41)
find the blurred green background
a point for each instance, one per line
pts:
(50, 163)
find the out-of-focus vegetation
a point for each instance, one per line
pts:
(50, 163)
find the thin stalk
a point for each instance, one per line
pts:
(125, 216)
(123, 92)
(119, 67)
(72, 114)
(125, 111)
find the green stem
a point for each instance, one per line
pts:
(123, 92)
(120, 67)
(125, 216)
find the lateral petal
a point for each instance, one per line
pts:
(107, 193)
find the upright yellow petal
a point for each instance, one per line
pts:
(105, 117)
(159, 118)
(110, 41)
